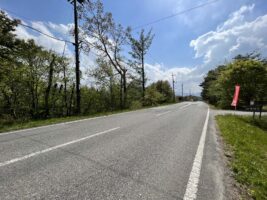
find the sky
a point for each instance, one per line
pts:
(187, 45)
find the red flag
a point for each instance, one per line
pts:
(235, 99)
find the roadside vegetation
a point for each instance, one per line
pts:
(248, 71)
(13, 125)
(247, 140)
(38, 85)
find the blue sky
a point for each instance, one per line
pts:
(181, 44)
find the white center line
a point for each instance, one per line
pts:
(55, 147)
(164, 113)
(160, 114)
(192, 185)
(185, 106)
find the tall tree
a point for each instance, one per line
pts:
(140, 48)
(107, 38)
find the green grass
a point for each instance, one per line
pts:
(247, 139)
(6, 126)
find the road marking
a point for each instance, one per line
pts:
(160, 114)
(55, 147)
(185, 106)
(192, 185)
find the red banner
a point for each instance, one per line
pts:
(235, 99)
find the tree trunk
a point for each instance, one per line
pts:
(50, 80)
(54, 90)
(121, 94)
(36, 99)
(124, 90)
(33, 106)
(143, 77)
(111, 93)
(71, 99)
(66, 110)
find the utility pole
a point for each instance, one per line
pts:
(173, 88)
(77, 59)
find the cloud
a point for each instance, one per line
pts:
(159, 72)
(236, 18)
(42, 40)
(210, 11)
(237, 35)
(182, 75)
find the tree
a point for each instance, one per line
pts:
(105, 78)
(107, 38)
(8, 42)
(250, 72)
(251, 75)
(208, 94)
(158, 93)
(140, 48)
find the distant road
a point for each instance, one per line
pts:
(163, 153)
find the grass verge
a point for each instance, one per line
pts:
(247, 140)
(18, 125)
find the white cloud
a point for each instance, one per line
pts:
(159, 72)
(185, 75)
(210, 11)
(61, 28)
(236, 18)
(42, 40)
(237, 35)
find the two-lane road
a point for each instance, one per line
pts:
(163, 153)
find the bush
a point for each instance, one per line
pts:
(135, 105)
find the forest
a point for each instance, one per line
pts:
(37, 83)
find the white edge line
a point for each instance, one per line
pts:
(192, 185)
(55, 147)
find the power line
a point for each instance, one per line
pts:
(175, 14)
(137, 27)
(50, 36)
(32, 28)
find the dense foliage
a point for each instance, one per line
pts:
(38, 83)
(250, 72)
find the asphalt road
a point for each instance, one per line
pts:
(163, 153)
